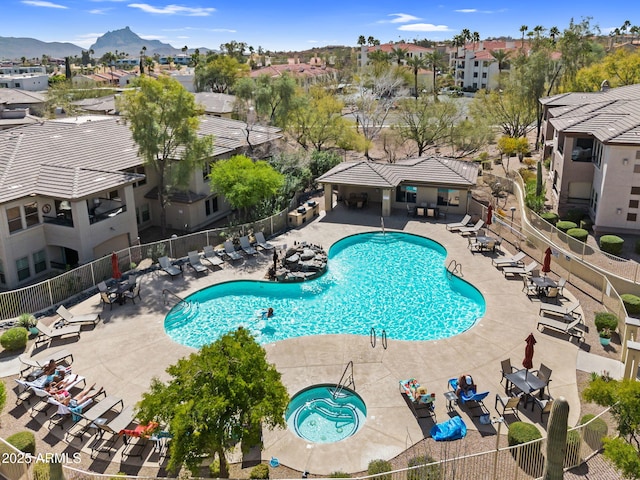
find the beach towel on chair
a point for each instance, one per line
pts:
(452, 429)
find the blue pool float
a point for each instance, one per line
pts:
(452, 429)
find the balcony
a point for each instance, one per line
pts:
(64, 219)
(105, 210)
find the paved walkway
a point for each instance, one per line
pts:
(130, 347)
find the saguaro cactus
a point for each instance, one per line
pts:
(556, 440)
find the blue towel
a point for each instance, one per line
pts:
(452, 429)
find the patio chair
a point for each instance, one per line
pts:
(32, 366)
(262, 243)
(455, 226)
(561, 283)
(572, 328)
(528, 287)
(544, 405)
(246, 246)
(528, 270)
(211, 256)
(561, 310)
(196, 264)
(474, 245)
(166, 266)
(69, 318)
(411, 210)
(511, 261)
(48, 334)
(102, 287)
(133, 293)
(230, 250)
(552, 293)
(508, 403)
(466, 231)
(108, 299)
(506, 367)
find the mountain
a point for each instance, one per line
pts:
(14, 48)
(126, 41)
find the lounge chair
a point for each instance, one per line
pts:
(44, 396)
(32, 366)
(230, 250)
(165, 265)
(421, 402)
(211, 256)
(465, 231)
(196, 264)
(455, 226)
(48, 334)
(69, 318)
(512, 261)
(246, 246)
(262, 243)
(560, 310)
(114, 428)
(573, 329)
(520, 270)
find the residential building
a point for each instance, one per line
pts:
(25, 81)
(72, 190)
(411, 50)
(20, 107)
(593, 142)
(475, 68)
(305, 74)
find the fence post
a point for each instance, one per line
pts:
(50, 293)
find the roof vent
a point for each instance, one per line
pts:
(604, 86)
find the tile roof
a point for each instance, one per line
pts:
(215, 102)
(295, 70)
(10, 96)
(423, 170)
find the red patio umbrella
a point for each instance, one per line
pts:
(528, 352)
(546, 264)
(489, 214)
(115, 267)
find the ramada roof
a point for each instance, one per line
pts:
(74, 158)
(423, 170)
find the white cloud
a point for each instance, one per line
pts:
(99, 11)
(39, 3)
(183, 37)
(424, 27)
(174, 10)
(467, 10)
(402, 18)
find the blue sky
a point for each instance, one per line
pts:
(288, 25)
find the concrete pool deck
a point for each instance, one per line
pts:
(129, 347)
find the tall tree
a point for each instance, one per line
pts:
(435, 61)
(523, 30)
(399, 54)
(216, 399)
(578, 50)
(361, 40)
(219, 74)
(273, 98)
(164, 119)
(502, 59)
(416, 63)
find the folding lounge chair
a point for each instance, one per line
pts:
(114, 428)
(165, 265)
(421, 402)
(560, 310)
(98, 410)
(464, 231)
(32, 366)
(69, 318)
(572, 329)
(196, 264)
(262, 243)
(520, 270)
(48, 334)
(455, 226)
(246, 246)
(44, 395)
(231, 251)
(211, 256)
(512, 261)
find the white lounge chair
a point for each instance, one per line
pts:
(520, 270)
(32, 366)
(230, 250)
(48, 334)
(211, 256)
(512, 261)
(246, 246)
(464, 231)
(262, 243)
(196, 264)
(455, 226)
(165, 265)
(573, 328)
(69, 318)
(560, 310)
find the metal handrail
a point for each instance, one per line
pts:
(166, 292)
(340, 386)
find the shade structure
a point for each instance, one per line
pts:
(528, 352)
(115, 267)
(546, 264)
(489, 214)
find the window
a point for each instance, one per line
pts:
(635, 190)
(113, 195)
(597, 154)
(143, 214)
(206, 170)
(448, 197)
(475, 74)
(634, 203)
(141, 171)
(582, 150)
(14, 219)
(631, 217)
(211, 206)
(22, 265)
(637, 154)
(636, 168)
(484, 74)
(406, 193)
(31, 213)
(39, 261)
(593, 202)
(475, 64)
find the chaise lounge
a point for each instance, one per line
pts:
(71, 319)
(465, 231)
(520, 270)
(48, 334)
(196, 264)
(166, 266)
(211, 256)
(262, 243)
(512, 261)
(455, 226)
(560, 310)
(573, 328)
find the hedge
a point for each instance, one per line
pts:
(339, 475)
(564, 225)
(520, 432)
(550, 217)
(260, 472)
(611, 244)
(15, 338)
(595, 431)
(586, 224)
(579, 234)
(631, 303)
(606, 320)
(380, 466)
(23, 441)
(575, 215)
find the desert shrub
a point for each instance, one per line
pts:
(611, 244)
(575, 215)
(550, 217)
(3, 396)
(586, 224)
(260, 472)
(431, 472)
(40, 471)
(572, 455)
(339, 475)
(521, 432)
(23, 441)
(565, 225)
(595, 431)
(15, 338)
(631, 303)
(606, 320)
(379, 466)
(578, 233)
(26, 320)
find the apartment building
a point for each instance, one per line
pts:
(474, 66)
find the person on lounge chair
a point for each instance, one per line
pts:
(80, 398)
(466, 385)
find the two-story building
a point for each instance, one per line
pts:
(593, 141)
(72, 190)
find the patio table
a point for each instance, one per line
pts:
(525, 381)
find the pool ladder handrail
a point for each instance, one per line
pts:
(382, 225)
(166, 292)
(456, 270)
(374, 339)
(350, 382)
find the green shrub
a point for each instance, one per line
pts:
(339, 475)
(15, 338)
(595, 431)
(575, 215)
(550, 217)
(631, 303)
(586, 224)
(564, 225)
(431, 472)
(527, 175)
(578, 233)
(260, 472)
(379, 466)
(611, 244)
(3, 396)
(26, 320)
(521, 432)
(40, 471)
(23, 441)
(214, 468)
(606, 320)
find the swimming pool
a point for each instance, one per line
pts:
(395, 282)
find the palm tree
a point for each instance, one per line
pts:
(399, 54)
(523, 30)
(23, 60)
(416, 63)
(538, 31)
(475, 38)
(624, 27)
(184, 49)
(501, 57)
(635, 30)
(553, 33)
(361, 40)
(371, 41)
(434, 60)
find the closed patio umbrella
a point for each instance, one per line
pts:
(546, 264)
(489, 214)
(115, 267)
(528, 352)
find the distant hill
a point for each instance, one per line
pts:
(14, 48)
(126, 41)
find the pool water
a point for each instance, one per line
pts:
(395, 282)
(325, 414)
